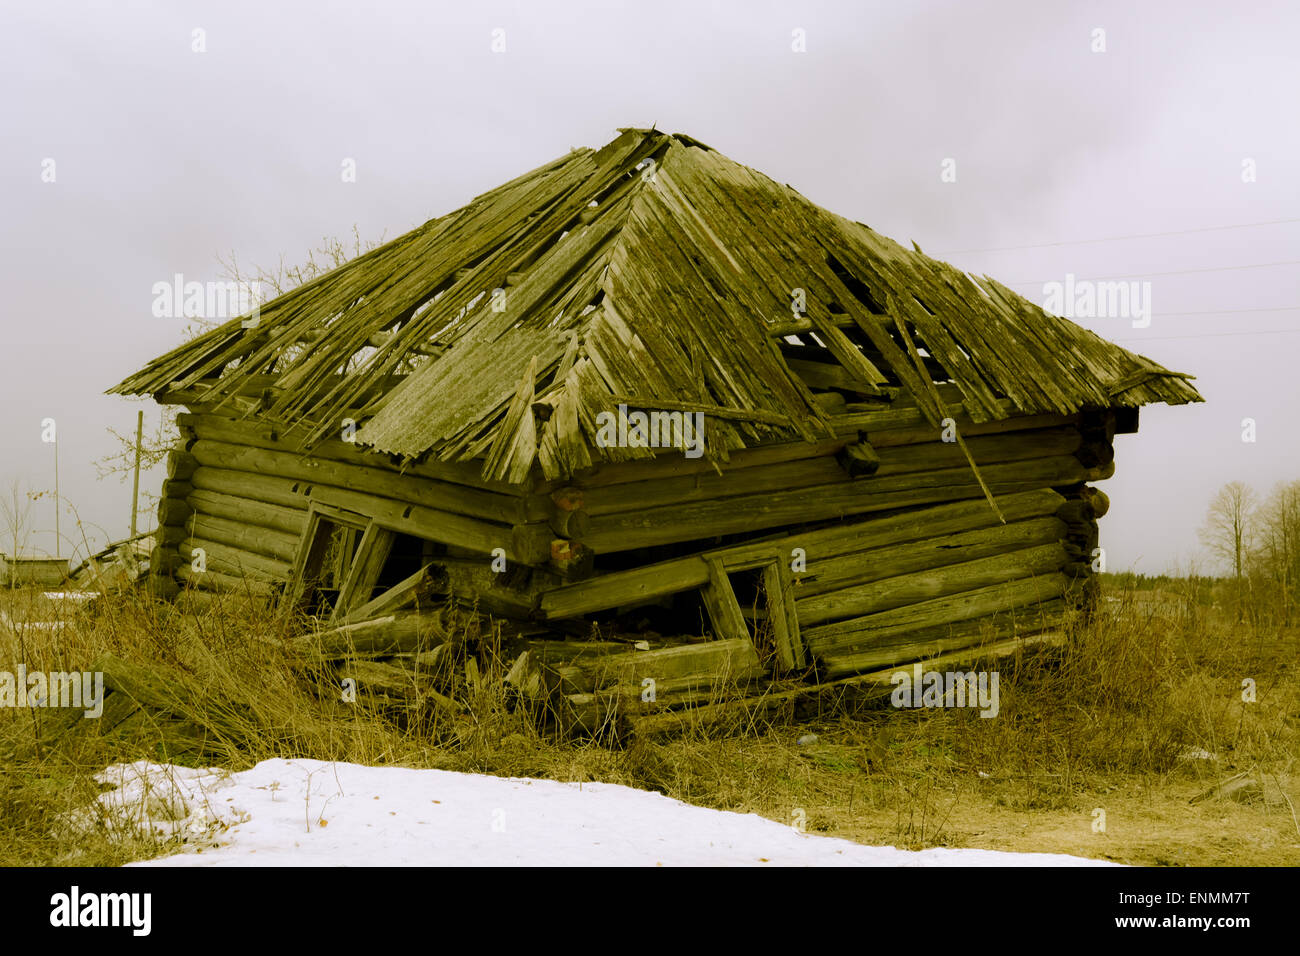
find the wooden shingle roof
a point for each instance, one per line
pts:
(654, 272)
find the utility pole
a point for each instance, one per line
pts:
(58, 538)
(135, 486)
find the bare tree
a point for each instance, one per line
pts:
(158, 441)
(1276, 557)
(15, 522)
(329, 255)
(1228, 525)
(15, 517)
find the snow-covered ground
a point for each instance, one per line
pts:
(314, 813)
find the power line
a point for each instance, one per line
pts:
(1280, 308)
(1176, 272)
(1142, 235)
(1162, 315)
(1211, 335)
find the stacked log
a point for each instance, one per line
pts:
(910, 600)
(174, 512)
(900, 551)
(598, 695)
(652, 504)
(1084, 505)
(241, 493)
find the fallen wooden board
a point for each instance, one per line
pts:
(747, 712)
(716, 660)
(402, 632)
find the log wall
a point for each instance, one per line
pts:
(658, 503)
(939, 570)
(241, 493)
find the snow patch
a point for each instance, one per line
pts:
(315, 813)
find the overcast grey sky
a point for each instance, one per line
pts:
(165, 158)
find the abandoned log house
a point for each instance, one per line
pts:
(645, 390)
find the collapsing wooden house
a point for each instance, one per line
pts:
(647, 387)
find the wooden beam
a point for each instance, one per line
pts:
(834, 573)
(234, 561)
(918, 434)
(706, 519)
(455, 499)
(250, 486)
(919, 586)
(219, 582)
(247, 511)
(453, 529)
(367, 564)
(778, 585)
(945, 639)
(246, 537)
(180, 464)
(665, 578)
(720, 601)
(861, 633)
(732, 659)
(391, 634)
(406, 592)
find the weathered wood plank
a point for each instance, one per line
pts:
(402, 632)
(717, 660)
(833, 574)
(444, 496)
(625, 587)
(919, 586)
(681, 574)
(861, 633)
(778, 585)
(247, 511)
(422, 522)
(406, 592)
(720, 601)
(367, 564)
(925, 643)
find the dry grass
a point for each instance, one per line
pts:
(1106, 722)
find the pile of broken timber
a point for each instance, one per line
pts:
(599, 694)
(119, 565)
(609, 691)
(414, 647)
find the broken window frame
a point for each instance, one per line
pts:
(357, 572)
(778, 588)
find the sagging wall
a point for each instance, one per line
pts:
(880, 590)
(871, 591)
(938, 572)
(241, 493)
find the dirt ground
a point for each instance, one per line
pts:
(1141, 821)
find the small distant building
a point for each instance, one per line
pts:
(32, 571)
